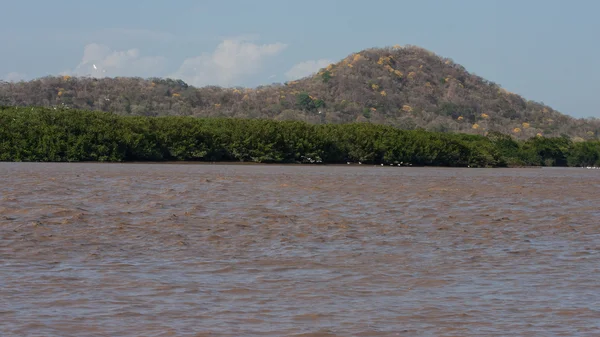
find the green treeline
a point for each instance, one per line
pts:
(46, 134)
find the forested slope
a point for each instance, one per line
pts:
(406, 87)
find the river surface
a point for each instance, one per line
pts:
(255, 250)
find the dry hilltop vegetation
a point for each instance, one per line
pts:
(406, 87)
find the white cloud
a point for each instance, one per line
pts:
(100, 61)
(306, 68)
(15, 77)
(232, 61)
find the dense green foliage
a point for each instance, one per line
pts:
(406, 87)
(47, 134)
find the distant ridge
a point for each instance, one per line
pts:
(408, 87)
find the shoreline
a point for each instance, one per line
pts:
(236, 163)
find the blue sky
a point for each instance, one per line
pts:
(545, 50)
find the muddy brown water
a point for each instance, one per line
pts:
(235, 250)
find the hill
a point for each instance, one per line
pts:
(406, 87)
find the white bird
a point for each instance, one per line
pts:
(94, 66)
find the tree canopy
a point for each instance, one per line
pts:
(55, 134)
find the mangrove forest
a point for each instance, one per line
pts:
(70, 135)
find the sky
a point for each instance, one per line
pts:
(544, 50)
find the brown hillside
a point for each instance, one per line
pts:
(408, 87)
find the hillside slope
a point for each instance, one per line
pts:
(407, 87)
